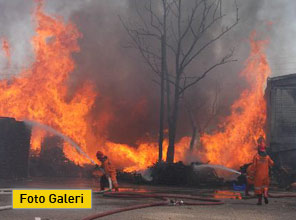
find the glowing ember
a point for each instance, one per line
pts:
(6, 49)
(235, 143)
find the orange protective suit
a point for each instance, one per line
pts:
(250, 174)
(110, 171)
(98, 173)
(261, 166)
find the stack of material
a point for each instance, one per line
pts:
(170, 173)
(281, 126)
(14, 148)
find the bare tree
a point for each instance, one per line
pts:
(183, 36)
(192, 29)
(152, 31)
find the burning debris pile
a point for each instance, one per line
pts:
(179, 174)
(52, 162)
(170, 173)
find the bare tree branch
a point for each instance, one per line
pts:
(149, 56)
(207, 44)
(190, 19)
(184, 36)
(224, 60)
(214, 111)
(153, 17)
(141, 16)
(202, 29)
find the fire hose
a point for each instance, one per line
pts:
(165, 201)
(164, 197)
(282, 195)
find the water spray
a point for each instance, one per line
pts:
(68, 140)
(202, 166)
(64, 137)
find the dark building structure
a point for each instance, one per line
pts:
(281, 124)
(14, 148)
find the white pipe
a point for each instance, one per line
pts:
(5, 207)
(5, 189)
(5, 193)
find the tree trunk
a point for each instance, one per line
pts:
(161, 119)
(193, 125)
(164, 73)
(161, 112)
(193, 137)
(173, 125)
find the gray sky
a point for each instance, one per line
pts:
(16, 25)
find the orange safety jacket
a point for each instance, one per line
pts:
(110, 171)
(261, 170)
(250, 174)
(108, 167)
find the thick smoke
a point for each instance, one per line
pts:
(16, 26)
(127, 106)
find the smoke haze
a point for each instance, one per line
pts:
(126, 109)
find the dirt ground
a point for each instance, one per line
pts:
(278, 208)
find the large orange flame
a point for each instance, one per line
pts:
(40, 93)
(145, 155)
(235, 142)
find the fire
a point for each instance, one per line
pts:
(235, 142)
(145, 155)
(37, 135)
(40, 93)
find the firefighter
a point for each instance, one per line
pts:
(109, 171)
(261, 164)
